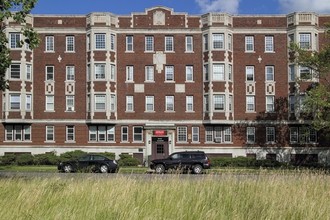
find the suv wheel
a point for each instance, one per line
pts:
(67, 168)
(197, 169)
(104, 169)
(160, 168)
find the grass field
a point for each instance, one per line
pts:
(300, 196)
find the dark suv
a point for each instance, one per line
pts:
(194, 161)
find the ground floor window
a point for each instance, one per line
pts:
(70, 133)
(302, 135)
(218, 134)
(18, 132)
(137, 134)
(101, 133)
(182, 134)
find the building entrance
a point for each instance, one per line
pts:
(159, 148)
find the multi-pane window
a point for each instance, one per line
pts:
(100, 102)
(169, 103)
(189, 103)
(169, 43)
(88, 41)
(129, 103)
(18, 132)
(269, 44)
(292, 74)
(49, 73)
(124, 134)
(206, 103)
(100, 41)
(182, 134)
(28, 102)
(230, 42)
(270, 103)
(230, 72)
(218, 41)
(270, 134)
(149, 73)
(169, 73)
(129, 73)
(69, 103)
(195, 134)
(112, 72)
(112, 42)
(129, 43)
(305, 73)
(49, 43)
(250, 103)
(250, 135)
(305, 40)
(49, 103)
(70, 133)
(28, 73)
(150, 103)
(50, 133)
(206, 72)
(292, 102)
(303, 135)
(70, 43)
(218, 72)
(218, 134)
(101, 133)
(189, 44)
(249, 43)
(14, 40)
(14, 101)
(230, 102)
(269, 73)
(149, 43)
(70, 76)
(249, 72)
(15, 71)
(137, 134)
(189, 73)
(219, 102)
(112, 102)
(206, 41)
(100, 71)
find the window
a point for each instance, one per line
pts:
(169, 73)
(129, 103)
(219, 72)
(112, 42)
(70, 135)
(129, 73)
(28, 102)
(206, 103)
(15, 71)
(49, 73)
(206, 41)
(189, 44)
(270, 103)
(149, 73)
(88, 41)
(269, 44)
(294, 135)
(292, 101)
(137, 134)
(219, 102)
(230, 103)
(206, 72)
(14, 101)
(100, 71)
(28, 72)
(195, 134)
(250, 135)
(100, 41)
(218, 134)
(89, 74)
(182, 134)
(303, 135)
(169, 44)
(269, 73)
(250, 106)
(270, 134)
(218, 41)
(227, 134)
(14, 40)
(49, 103)
(70, 73)
(112, 102)
(129, 43)
(230, 72)
(18, 132)
(101, 133)
(189, 73)
(169, 103)
(50, 133)
(149, 103)
(305, 73)
(149, 43)
(230, 42)
(49, 43)
(112, 72)
(249, 71)
(189, 103)
(124, 134)
(249, 44)
(100, 102)
(69, 103)
(305, 40)
(292, 74)
(70, 44)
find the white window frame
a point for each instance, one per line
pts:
(218, 41)
(129, 103)
(50, 45)
(150, 103)
(269, 73)
(50, 73)
(169, 103)
(218, 72)
(230, 42)
(269, 44)
(69, 101)
(169, 43)
(270, 135)
(250, 103)
(50, 133)
(99, 71)
(219, 102)
(112, 42)
(149, 74)
(137, 134)
(70, 133)
(195, 134)
(28, 72)
(249, 43)
(305, 71)
(18, 133)
(305, 41)
(100, 41)
(169, 73)
(129, 73)
(206, 42)
(124, 133)
(230, 72)
(189, 73)
(189, 44)
(112, 102)
(250, 135)
(206, 72)
(294, 135)
(14, 40)
(292, 103)
(189, 103)
(249, 73)
(182, 134)
(292, 73)
(70, 43)
(15, 102)
(270, 103)
(112, 72)
(50, 103)
(149, 43)
(129, 43)
(15, 71)
(100, 102)
(70, 73)
(28, 102)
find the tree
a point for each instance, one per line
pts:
(317, 100)
(22, 9)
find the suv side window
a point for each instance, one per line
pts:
(176, 156)
(198, 156)
(186, 156)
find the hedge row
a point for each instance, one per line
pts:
(51, 158)
(243, 162)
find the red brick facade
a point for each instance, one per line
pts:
(216, 82)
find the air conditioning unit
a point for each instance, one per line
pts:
(217, 140)
(70, 109)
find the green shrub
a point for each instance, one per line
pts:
(128, 160)
(109, 155)
(243, 162)
(24, 159)
(72, 155)
(49, 158)
(8, 159)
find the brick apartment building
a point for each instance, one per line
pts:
(156, 82)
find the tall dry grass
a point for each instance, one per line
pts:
(301, 196)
